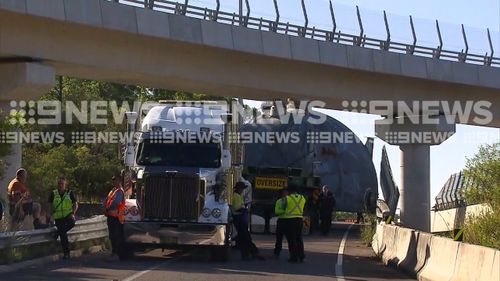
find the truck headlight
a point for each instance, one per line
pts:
(216, 213)
(206, 212)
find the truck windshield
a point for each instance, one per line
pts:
(205, 155)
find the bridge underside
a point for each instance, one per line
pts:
(111, 55)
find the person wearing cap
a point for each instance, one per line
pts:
(293, 220)
(279, 210)
(64, 206)
(115, 213)
(240, 221)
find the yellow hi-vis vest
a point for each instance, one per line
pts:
(237, 204)
(294, 206)
(280, 207)
(62, 207)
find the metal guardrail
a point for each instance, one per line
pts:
(88, 229)
(333, 35)
(452, 194)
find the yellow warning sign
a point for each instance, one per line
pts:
(271, 183)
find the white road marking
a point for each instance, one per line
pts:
(141, 273)
(340, 256)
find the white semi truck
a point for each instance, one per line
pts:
(183, 169)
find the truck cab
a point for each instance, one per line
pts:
(183, 171)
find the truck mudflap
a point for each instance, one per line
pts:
(163, 234)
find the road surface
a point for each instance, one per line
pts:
(322, 263)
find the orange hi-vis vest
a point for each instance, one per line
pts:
(120, 210)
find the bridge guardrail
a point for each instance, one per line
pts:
(333, 35)
(87, 229)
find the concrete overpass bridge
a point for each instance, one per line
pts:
(171, 45)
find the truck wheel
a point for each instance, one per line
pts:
(220, 253)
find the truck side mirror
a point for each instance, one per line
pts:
(226, 159)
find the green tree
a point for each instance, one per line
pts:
(88, 172)
(5, 148)
(88, 167)
(483, 172)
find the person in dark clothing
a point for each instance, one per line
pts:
(64, 206)
(359, 217)
(313, 210)
(245, 243)
(243, 216)
(327, 204)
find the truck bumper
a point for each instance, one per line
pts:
(175, 235)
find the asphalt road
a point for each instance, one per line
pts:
(322, 263)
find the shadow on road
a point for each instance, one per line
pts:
(321, 258)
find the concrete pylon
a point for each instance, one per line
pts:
(416, 186)
(20, 81)
(13, 160)
(414, 139)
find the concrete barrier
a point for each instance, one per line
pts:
(495, 273)
(453, 219)
(406, 253)
(434, 258)
(441, 262)
(475, 263)
(423, 250)
(389, 244)
(377, 245)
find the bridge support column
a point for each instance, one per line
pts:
(20, 81)
(414, 138)
(415, 186)
(13, 161)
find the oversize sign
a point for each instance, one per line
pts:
(271, 183)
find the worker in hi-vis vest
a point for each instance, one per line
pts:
(115, 213)
(279, 210)
(291, 215)
(240, 220)
(64, 206)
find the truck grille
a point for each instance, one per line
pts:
(172, 196)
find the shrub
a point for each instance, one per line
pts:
(483, 170)
(368, 230)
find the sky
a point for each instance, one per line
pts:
(449, 157)
(476, 17)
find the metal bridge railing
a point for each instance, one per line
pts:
(332, 35)
(88, 229)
